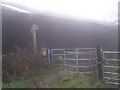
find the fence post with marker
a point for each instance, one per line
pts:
(100, 63)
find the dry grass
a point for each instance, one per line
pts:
(19, 62)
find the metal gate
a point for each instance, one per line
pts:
(56, 56)
(81, 60)
(111, 67)
(85, 60)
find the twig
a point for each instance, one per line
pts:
(26, 68)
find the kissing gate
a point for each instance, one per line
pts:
(88, 60)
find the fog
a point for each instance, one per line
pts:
(55, 32)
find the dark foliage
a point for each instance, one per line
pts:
(19, 62)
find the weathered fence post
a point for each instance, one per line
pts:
(100, 63)
(64, 59)
(49, 55)
(33, 30)
(77, 59)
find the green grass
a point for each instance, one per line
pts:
(65, 80)
(68, 80)
(23, 81)
(20, 83)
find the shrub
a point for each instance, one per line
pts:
(19, 62)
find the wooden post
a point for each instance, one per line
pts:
(49, 55)
(65, 62)
(33, 30)
(64, 58)
(77, 59)
(100, 63)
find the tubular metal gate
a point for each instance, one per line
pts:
(111, 67)
(84, 60)
(56, 56)
(74, 59)
(81, 60)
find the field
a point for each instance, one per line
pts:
(27, 72)
(54, 77)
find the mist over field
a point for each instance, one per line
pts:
(60, 44)
(55, 32)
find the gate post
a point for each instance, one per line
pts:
(77, 59)
(64, 59)
(33, 31)
(100, 63)
(49, 55)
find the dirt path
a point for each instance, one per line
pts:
(46, 81)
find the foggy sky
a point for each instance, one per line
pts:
(55, 32)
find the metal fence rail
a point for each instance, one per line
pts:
(56, 56)
(87, 60)
(80, 58)
(111, 71)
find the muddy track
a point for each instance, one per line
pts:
(46, 81)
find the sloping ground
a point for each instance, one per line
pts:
(63, 79)
(57, 77)
(46, 81)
